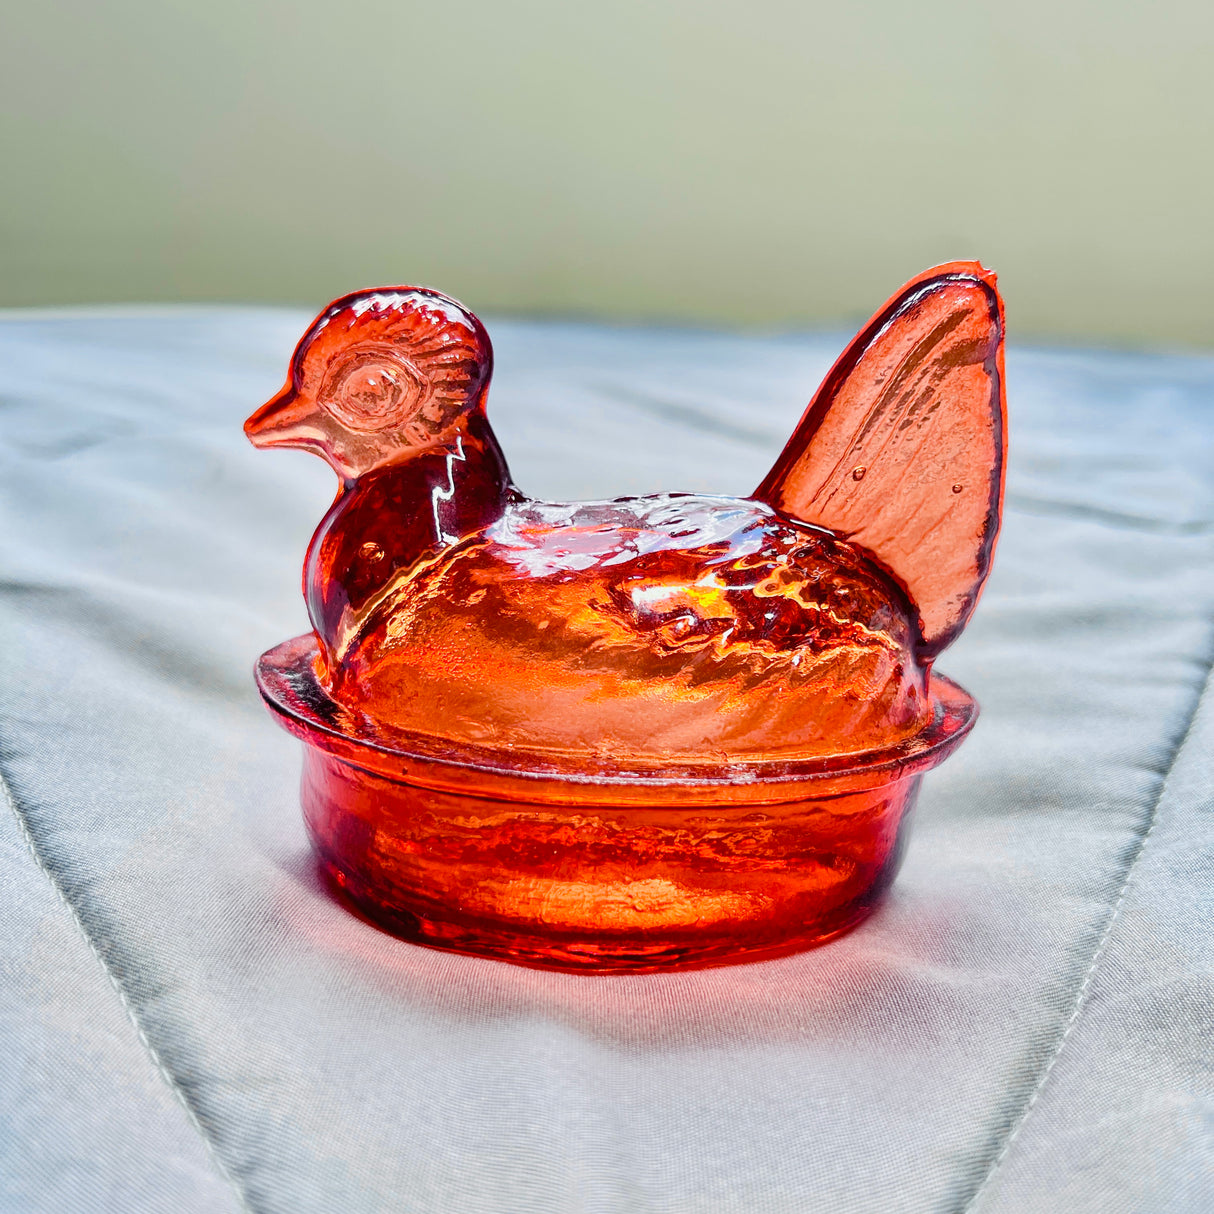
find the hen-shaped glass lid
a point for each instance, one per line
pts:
(797, 624)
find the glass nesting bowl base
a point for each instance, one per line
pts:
(611, 871)
(803, 924)
(588, 887)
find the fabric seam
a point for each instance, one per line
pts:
(1080, 999)
(154, 1054)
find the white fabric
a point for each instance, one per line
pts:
(191, 1023)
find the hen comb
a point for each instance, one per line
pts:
(436, 332)
(902, 448)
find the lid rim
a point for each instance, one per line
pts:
(287, 681)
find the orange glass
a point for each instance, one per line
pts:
(670, 730)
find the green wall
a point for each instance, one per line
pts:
(767, 162)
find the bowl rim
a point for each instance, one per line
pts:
(286, 677)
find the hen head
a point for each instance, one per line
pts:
(379, 374)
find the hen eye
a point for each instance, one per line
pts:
(372, 390)
(372, 393)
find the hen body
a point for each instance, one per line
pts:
(673, 626)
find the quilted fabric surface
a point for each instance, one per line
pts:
(190, 1023)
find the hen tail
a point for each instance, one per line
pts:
(902, 448)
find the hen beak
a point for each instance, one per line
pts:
(286, 420)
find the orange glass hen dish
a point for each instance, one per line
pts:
(630, 734)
